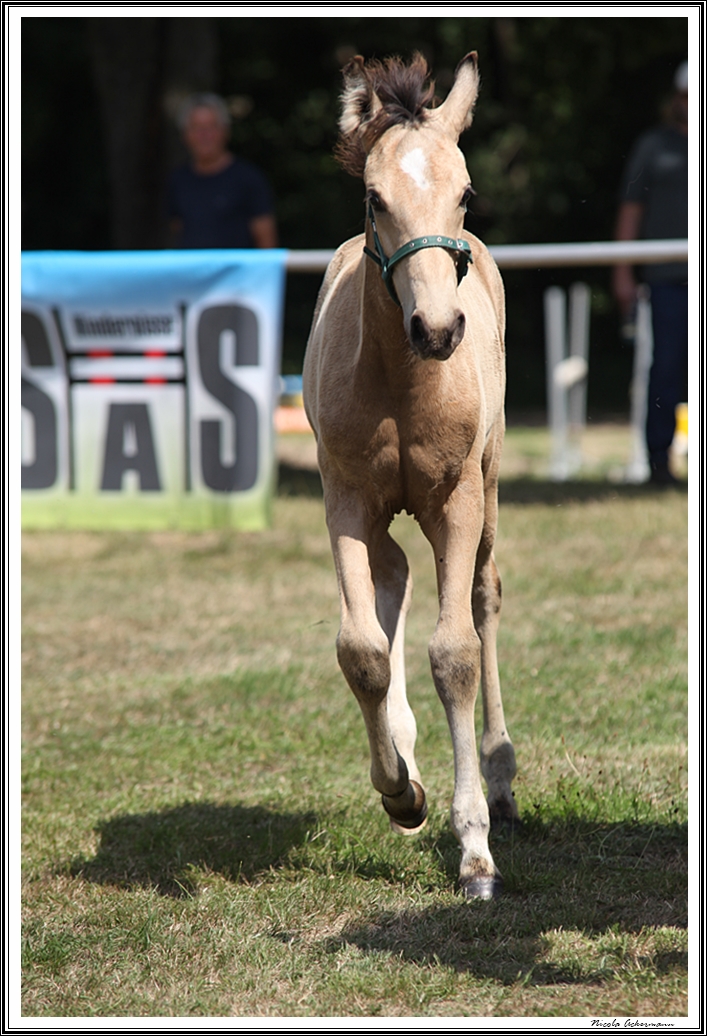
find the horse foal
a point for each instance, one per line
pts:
(404, 382)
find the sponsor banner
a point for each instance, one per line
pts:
(149, 381)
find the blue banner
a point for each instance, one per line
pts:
(149, 381)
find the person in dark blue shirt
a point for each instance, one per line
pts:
(217, 200)
(653, 205)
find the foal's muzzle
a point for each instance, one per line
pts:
(436, 343)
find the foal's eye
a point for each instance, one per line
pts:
(374, 200)
(468, 194)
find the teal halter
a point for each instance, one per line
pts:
(456, 245)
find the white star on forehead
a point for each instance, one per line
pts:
(414, 164)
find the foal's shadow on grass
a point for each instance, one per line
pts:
(160, 850)
(612, 879)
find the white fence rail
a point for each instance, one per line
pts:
(509, 257)
(567, 340)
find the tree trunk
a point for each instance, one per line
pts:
(142, 67)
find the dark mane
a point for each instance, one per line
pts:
(406, 93)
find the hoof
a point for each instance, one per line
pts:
(483, 887)
(504, 816)
(400, 829)
(407, 811)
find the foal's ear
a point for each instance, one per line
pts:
(457, 110)
(359, 101)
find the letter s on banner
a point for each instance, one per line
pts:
(45, 417)
(226, 393)
(39, 471)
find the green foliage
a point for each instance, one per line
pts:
(65, 193)
(562, 101)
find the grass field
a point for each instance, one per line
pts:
(200, 837)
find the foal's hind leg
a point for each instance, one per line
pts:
(498, 763)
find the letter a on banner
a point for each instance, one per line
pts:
(129, 447)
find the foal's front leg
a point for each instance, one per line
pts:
(455, 656)
(369, 640)
(393, 583)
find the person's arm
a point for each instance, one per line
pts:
(263, 230)
(628, 227)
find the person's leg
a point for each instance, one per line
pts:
(668, 378)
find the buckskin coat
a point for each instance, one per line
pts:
(404, 388)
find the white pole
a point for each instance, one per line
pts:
(638, 469)
(555, 333)
(566, 376)
(580, 305)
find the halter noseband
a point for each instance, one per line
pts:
(453, 244)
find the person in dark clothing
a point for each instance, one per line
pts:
(653, 205)
(217, 200)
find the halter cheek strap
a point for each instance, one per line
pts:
(457, 245)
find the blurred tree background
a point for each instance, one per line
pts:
(562, 101)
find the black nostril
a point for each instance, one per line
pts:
(417, 329)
